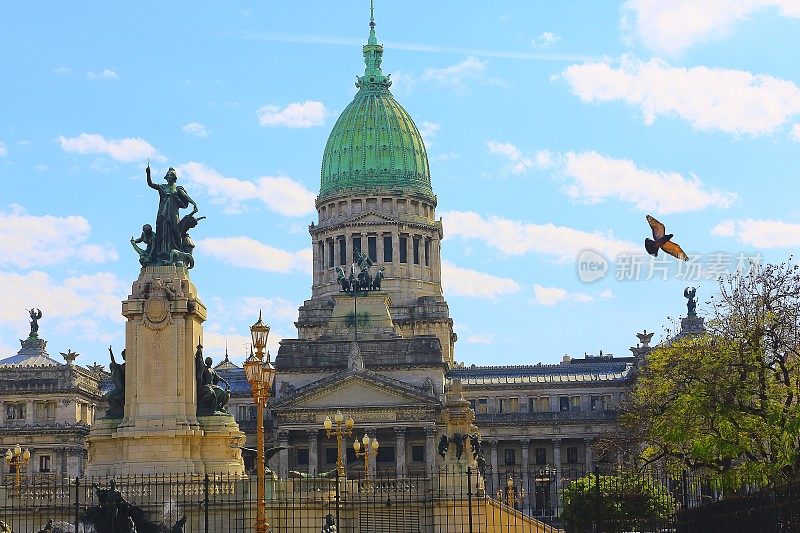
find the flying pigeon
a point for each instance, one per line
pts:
(662, 241)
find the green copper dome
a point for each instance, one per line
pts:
(374, 144)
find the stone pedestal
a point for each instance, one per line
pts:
(372, 308)
(160, 432)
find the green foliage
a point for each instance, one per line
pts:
(727, 401)
(618, 503)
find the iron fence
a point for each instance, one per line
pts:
(538, 498)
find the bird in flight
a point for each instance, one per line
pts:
(662, 240)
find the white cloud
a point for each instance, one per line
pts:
(518, 163)
(105, 74)
(447, 157)
(794, 134)
(760, 233)
(672, 27)
(215, 339)
(545, 40)
(732, 101)
(281, 194)
(272, 308)
(459, 281)
(28, 241)
(125, 150)
(80, 305)
(455, 75)
(295, 115)
(245, 252)
(606, 294)
(62, 70)
(512, 237)
(550, 296)
(428, 130)
(3, 149)
(41, 168)
(597, 177)
(196, 129)
(480, 339)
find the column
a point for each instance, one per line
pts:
(379, 248)
(495, 475)
(430, 448)
(343, 451)
(348, 245)
(2, 413)
(29, 411)
(556, 496)
(400, 450)
(313, 453)
(587, 442)
(526, 443)
(283, 455)
(373, 460)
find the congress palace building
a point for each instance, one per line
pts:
(375, 197)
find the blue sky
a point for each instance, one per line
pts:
(551, 128)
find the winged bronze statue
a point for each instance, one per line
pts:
(662, 241)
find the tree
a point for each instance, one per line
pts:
(728, 400)
(612, 504)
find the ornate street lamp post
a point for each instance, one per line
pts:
(260, 374)
(344, 428)
(18, 460)
(370, 450)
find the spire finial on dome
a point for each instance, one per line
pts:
(373, 54)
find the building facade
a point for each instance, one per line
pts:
(47, 407)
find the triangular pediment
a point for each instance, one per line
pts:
(357, 389)
(370, 217)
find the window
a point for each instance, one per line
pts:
(44, 410)
(427, 251)
(482, 406)
(386, 454)
(342, 250)
(509, 405)
(563, 403)
(539, 405)
(594, 403)
(253, 413)
(321, 255)
(543, 497)
(331, 456)
(510, 456)
(574, 403)
(241, 412)
(331, 260)
(351, 455)
(572, 454)
(415, 244)
(356, 244)
(403, 248)
(44, 463)
(372, 248)
(541, 456)
(302, 456)
(15, 411)
(387, 249)
(418, 453)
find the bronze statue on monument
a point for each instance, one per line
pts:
(169, 243)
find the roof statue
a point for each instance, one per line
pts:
(691, 301)
(36, 315)
(169, 243)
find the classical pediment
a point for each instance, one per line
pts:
(351, 388)
(371, 217)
